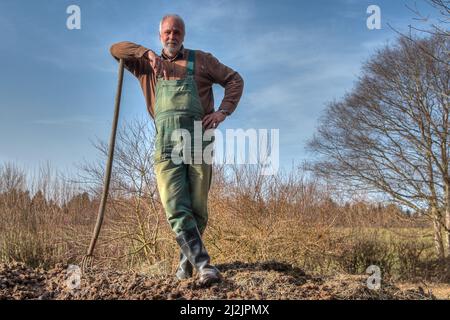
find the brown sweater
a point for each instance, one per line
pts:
(208, 70)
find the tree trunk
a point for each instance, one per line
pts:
(447, 217)
(438, 240)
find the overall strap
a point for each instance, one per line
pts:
(190, 63)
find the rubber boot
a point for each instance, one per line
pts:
(185, 268)
(192, 246)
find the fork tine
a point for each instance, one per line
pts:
(86, 263)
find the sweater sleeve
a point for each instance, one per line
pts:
(134, 57)
(227, 78)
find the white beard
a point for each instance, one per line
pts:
(171, 49)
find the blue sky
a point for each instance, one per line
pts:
(57, 85)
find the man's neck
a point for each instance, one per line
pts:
(170, 56)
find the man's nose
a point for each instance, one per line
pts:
(172, 36)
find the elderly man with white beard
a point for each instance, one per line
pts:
(177, 86)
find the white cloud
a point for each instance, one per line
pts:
(66, 121)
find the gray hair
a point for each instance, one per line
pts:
(172, 15)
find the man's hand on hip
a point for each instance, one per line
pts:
(212, 120)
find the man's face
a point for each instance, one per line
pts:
(171, 36)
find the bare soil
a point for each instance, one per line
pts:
(260, 281)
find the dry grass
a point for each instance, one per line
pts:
(285, 218)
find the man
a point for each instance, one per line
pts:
(177, 87)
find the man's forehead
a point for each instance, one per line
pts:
(172, 24)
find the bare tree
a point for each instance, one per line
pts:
(12, 178)
(390, 134)
(436, 25)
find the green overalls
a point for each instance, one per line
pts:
(183, 188)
